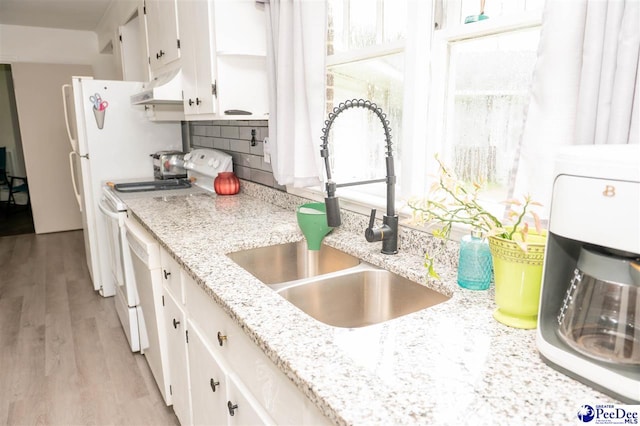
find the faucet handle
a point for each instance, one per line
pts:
(372, 234)
(372, 218)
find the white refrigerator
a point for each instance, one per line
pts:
(111, 140)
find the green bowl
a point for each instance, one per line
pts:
(312, 220)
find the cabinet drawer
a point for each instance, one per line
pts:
(171, 276)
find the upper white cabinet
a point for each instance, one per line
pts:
(223, 59)
(198, 67)
(162, 34)
(133, 48)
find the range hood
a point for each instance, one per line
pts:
(165, 89)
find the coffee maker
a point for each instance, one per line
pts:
(595, 214)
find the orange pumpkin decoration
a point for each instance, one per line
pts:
(226, 183)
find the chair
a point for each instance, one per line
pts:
(3, 166)
(4, 179)
(17, 185)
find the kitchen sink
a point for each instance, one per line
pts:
(361, 296)
(334, 287)
(292, 261)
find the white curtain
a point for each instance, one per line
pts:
(296, 71)
(585, 86)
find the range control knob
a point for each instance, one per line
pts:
(214, 162)
(187, 156)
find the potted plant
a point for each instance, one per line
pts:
(517, 251)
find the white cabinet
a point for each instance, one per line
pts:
(242, 408)
(208, 383)
(218, 396)
(271, 390)
(198, 79)
(162, 34)
(133, 48)
(217, 375)
(223, 57)
(177, 335)
(171, 278)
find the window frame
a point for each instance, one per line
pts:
(426, 72)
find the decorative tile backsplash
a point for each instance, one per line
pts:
(234, 137)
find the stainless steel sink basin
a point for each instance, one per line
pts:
(292, 261)
(360, 296)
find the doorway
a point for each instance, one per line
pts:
(15, 217)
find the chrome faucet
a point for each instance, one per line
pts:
(388, 232)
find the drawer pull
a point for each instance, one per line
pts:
(232, 408)
(221, 338)
(213, 384)
(175, 323)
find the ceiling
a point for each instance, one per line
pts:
(65, 14)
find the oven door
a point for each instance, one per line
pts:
(119, 257)
(126, 297)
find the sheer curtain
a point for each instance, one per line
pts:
(585, 86)
(296, 70)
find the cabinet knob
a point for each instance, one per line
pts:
(191, 102)
(221, 338)
(160, 54)
(166, 274)
(175, 323)
(232, 408)
(213, 384)
(198, 101)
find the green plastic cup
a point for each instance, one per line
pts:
(312, 219)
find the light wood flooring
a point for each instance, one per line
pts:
(64, 358)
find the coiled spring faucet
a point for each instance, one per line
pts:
(388, 232)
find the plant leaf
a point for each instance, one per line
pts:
(538, 223)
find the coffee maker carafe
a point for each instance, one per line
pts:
(589, 314)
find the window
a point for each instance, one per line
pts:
(485, 105)
(365, 57)
(486, 69)
(471, 86)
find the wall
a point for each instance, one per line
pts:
(234, 138)
(55, 46)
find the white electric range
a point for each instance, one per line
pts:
(202, 165)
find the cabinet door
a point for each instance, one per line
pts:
(242, 408)
(240, 53)
(162, 32)
(178, 368)
(196, 56)
(208, 383)
(242, 84)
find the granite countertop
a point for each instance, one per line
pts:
(449, 364)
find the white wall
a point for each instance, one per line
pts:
(55, 46)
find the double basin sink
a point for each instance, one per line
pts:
(335, 287)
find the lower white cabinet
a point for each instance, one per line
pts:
(208, 383)
(218, 397)
(177, 334)
(218, 376)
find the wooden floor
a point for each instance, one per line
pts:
(64, 358)
(15, 220)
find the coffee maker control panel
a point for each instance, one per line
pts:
(598, 211)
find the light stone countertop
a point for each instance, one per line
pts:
(449, 364)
